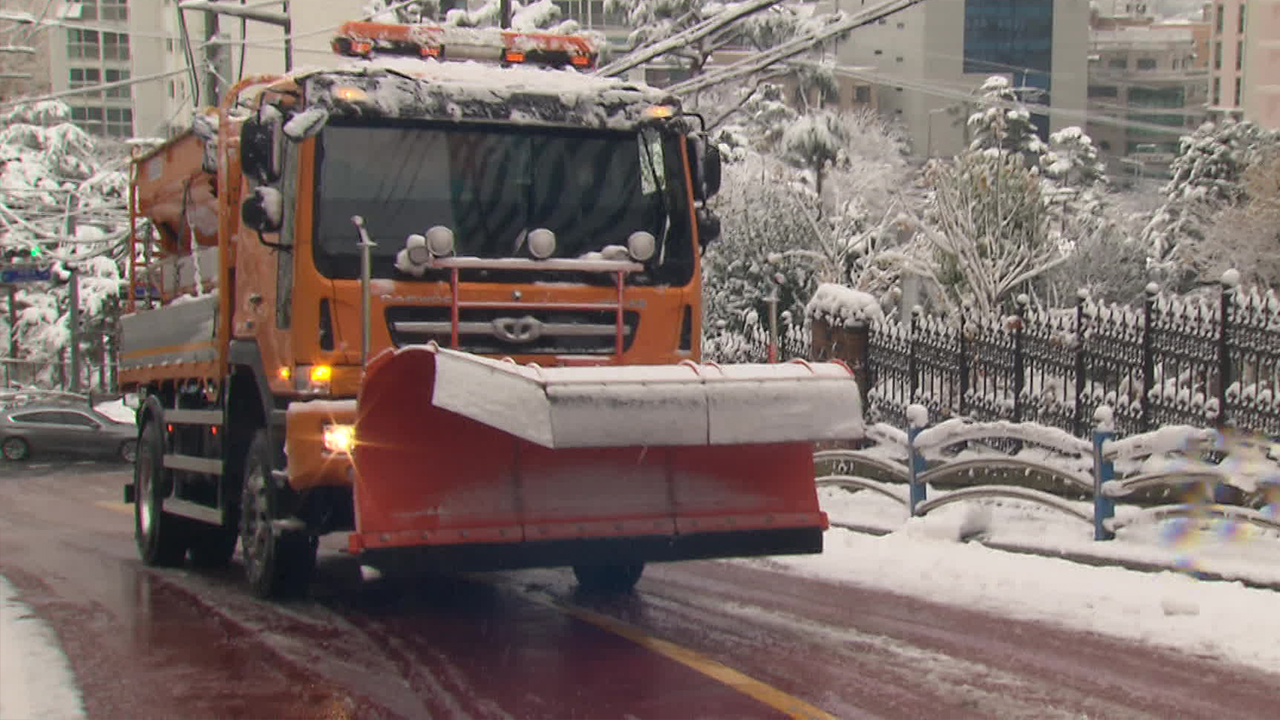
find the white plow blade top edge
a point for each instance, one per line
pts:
(659, 405)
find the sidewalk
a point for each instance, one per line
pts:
(1210, 550)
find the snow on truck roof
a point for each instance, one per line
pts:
(411, 87)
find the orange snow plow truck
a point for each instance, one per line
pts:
(452, 309)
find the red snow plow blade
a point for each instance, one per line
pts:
(484, 464)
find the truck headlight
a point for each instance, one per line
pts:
(339, 439)
(313, 378)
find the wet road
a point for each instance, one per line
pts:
(698, 640)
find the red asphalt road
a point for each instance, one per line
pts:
(149, 643)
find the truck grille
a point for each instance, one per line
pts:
(513, 331)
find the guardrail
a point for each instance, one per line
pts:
(1168, 458)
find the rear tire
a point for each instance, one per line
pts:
(161, 537)
(276, 563)
(15, 449)
(619, 578)
(128, 451)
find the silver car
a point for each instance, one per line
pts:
(64, 430)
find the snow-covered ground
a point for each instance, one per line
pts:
(35, 680)
(930, 558)
(927, 557)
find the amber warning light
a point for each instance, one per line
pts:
(368, 39)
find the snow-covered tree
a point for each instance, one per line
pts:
(1075, 186)
(542, 15)
(986, 232)
(780, 235)
(1207, 180)
(654, 20)
(65, 201)
(1004, 124)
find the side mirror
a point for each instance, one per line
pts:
(261, 145)
(705, 160)
(262, 211)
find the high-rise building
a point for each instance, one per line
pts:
(1144, 76)
(1245, 64)
(24, 51)
(931, 58)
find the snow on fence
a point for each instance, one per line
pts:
(1103, 469)
(1204, 362)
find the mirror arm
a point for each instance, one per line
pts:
(274, 246)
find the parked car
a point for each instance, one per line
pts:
(30, 429)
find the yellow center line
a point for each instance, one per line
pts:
(116, 506)
(790, 705)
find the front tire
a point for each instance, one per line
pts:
(277, 563)
(620, 578)
(128, 451)
(161, 537)
(15, 449)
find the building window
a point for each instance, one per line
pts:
(1240, 28)
(88, 118)
(1103, 91)
(115, 46)
(1118, 63)
(117, 76)
(1217, 23)
(1104, 145)
(1240, 53)
(1146, 63)
(1217, 91)
(902, 26)
(119, 122)
(88, 10)
(898, 59)
(168, 44)
(862, 94)
(84, 77)
(1217, 55)
(1238, 78)
(879, 52)
(114, 10)
(82, 44)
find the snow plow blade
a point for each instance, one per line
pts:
(487, 464)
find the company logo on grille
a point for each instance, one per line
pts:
(517, 330)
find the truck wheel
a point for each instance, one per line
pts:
(608, 578)
(161, 537)
(277, 563)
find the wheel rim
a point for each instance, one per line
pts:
(129, 451)
(14, 449)
(256, 538)
(144, 493)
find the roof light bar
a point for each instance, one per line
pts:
(364, 39)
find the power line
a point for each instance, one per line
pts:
(91, 88)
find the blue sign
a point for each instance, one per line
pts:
(25, 273)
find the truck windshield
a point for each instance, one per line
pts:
(491, 186)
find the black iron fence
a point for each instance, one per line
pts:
(1212, 361)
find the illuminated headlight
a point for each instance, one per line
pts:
(339, 439)
(313, 378)
(641, 245)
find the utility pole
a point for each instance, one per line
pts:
(73, 308)
(505, 6)
(211, 50)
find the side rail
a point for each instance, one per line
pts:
(1169, 457)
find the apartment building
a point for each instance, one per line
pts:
(1245, 65)
(930, 59)
(24, 51)
(1144, 77)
